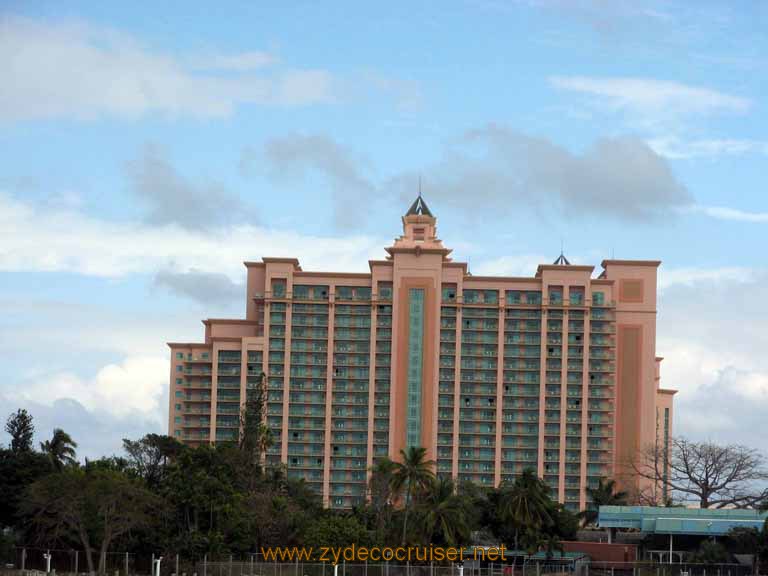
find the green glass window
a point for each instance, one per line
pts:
(180, 355)
(278, 288)
(415, 365)
(598, 298)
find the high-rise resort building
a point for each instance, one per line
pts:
(557, 372)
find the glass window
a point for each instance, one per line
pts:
(513, 296)
(178, 406)
(179, 380)
(415, 364)
(598, 298)
(179, 368)
(300, 292)
(278, 288)
(449, 293)
(343, 292)
(180, 355)
(533, 297)
(385, 292)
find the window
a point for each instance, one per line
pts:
(178, 406)
(278, 288)
(180, 355)
(205, 356)
(179, 394)
(179, 380)
(179, 368)
(415, 360)
(343, 293)
(576, 295)
(598, 298)
(513, 297)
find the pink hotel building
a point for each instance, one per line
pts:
(492, 375)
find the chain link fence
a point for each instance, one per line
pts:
(38, 562)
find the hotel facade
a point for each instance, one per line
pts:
(557, 372)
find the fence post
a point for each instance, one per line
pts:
(177, 564)
(77, 561)
(205, 565)
(23, 559)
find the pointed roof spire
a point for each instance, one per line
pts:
(561, 260)
(419, 207)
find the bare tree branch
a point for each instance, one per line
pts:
(703, 472)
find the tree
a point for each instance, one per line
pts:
(380, 492)
(706, 473)
(442, 514)
(750, 541)
(17, 472)
(60, 449)
(605, 494)
(412, 473)
(255, 436)
(710, 552)
(526, 504)
(21, 429)
(336, 531)
(148, 457)
(93, 508)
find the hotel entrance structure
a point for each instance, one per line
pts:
(557, 372)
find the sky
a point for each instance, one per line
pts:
(148, 149)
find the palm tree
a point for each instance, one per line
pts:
(380, 490)
(526, 504)
(442, 514)
(60, 449)
(414, 473)
(604, 494)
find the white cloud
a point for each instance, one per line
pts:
(37, 239)
(651, 95)
(692, 276)
(733, 214)
(516, 265)
(135, 385)
(675, 148)
(237, 62)
(713, 338)
(67, 69)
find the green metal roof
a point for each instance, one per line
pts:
(698, 521)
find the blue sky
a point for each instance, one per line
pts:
(147, 150)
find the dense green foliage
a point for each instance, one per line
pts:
(161, 497)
